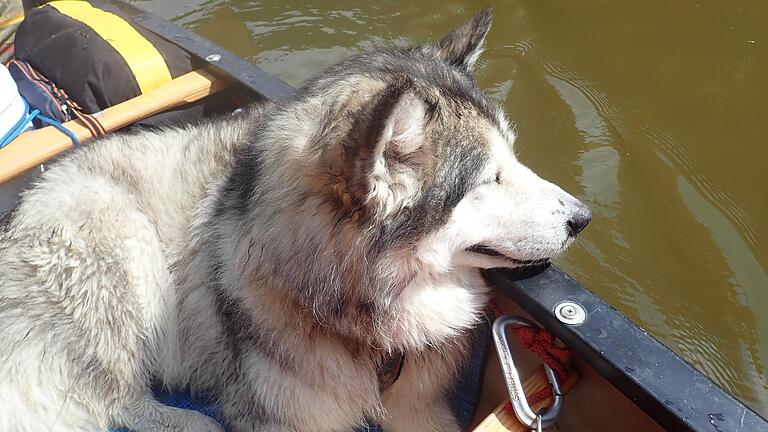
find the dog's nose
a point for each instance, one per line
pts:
(579, 220)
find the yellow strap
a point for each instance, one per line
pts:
(145, 61)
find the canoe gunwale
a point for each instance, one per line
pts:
(668, 389)
(247, 74)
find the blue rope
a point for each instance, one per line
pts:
(17, 128)
(60, 127)
(24, 121)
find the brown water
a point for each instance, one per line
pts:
(653, 112)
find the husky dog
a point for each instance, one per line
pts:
(275, 260)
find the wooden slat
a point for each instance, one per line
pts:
(503, 419)
(34, 147)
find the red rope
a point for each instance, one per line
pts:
(542, 343)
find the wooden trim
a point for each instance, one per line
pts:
(34, 147)
(503, 419)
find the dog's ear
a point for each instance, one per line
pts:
(464, 44)
(385, 161)
(398, 123)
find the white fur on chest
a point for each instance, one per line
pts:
(436, 308)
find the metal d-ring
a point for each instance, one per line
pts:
(523, 411)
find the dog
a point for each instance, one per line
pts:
(276, 260)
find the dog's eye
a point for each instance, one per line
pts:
(495, 179)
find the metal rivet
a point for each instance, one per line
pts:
(570, 313)
(213, 58)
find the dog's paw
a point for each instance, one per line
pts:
(150, 415)
(192, 421)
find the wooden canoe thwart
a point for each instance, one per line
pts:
(35, 147)
(503, 419)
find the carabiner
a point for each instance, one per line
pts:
(523, 411)
(537, 427)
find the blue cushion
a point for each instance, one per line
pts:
(463, 398)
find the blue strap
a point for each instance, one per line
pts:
(24, 121)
